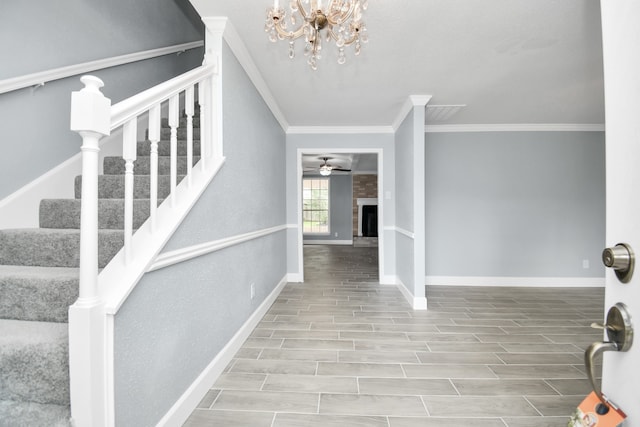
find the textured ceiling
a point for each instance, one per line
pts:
(505, 61)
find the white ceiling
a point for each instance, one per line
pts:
(504, 61)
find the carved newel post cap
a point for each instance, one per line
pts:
(91, 84)
(90, 109)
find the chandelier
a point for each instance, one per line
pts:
(337, 20)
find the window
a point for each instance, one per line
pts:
(315, 206)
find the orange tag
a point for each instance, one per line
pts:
(590, 414)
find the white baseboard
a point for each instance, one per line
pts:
(536, 282)
(295, 278)
(417, 303)
(388, 280)
(328, 242)
(180, 411)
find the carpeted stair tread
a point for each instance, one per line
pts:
(165, 133)
(112, 186)
(37, 293)
(31, 414)
(164, 122)
(141, 166)
(34, 362)
(53, 247)
(164, 148)
(65, 213)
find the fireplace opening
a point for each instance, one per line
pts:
(370, 221)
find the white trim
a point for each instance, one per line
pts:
(538, 282)
(381, 240)
(417, 303)
(514, 127)
(40, 78)
(110, 375)
(20, 209)
(407, 106)
(389, 280)
(295, 278)
(185, 254)
(241, 53)
(189, 400)
(328, 242)
(364, 201)
(118, 279)
(338, 130)
(404, 232)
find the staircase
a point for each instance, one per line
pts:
(39, 281)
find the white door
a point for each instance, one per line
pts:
(621, 43)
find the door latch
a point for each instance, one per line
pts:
(620, 334)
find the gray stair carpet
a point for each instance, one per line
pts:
(39, 281)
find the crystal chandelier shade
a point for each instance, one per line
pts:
(337, 20)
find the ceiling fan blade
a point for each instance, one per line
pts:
(340, 169)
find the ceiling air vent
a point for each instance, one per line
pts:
(440, 113)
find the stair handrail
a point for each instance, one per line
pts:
(42, 77)
(93, 116)
(132, 107)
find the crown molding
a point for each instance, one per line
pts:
(241, 53)
(411, 102)
(339, 130)
(517, 127)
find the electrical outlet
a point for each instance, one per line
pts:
(335, 234)
(253, 290)
(585, 263)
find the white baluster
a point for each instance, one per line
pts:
(154, 138)
(188, 107)
(204, 122)
(215, 129)
(129, 139)
(91, 118)
(174, 104)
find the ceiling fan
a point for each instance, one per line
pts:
(326, 169)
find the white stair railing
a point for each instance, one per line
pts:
(91, 317)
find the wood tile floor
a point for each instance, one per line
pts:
(343, 350)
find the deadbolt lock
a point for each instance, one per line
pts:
(621, 259)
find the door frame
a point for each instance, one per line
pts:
(341, 150)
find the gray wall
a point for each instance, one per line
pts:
(404, 201)
(340, 210)
(179, 318)
(39, 36)
(521, 204)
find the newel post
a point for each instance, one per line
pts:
(213, 133)
(91, 118)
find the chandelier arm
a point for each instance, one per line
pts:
(301, 10)
(347, 42)
(343, 17)
(289, 34)
(332, 33)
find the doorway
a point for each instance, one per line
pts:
(375, 220)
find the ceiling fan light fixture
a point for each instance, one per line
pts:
(337, 20)
(325, 170)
